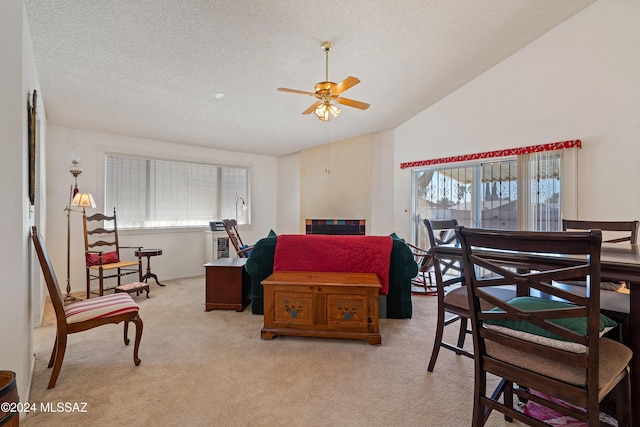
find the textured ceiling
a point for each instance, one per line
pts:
(150, 68)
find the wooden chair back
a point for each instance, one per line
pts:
(49, 276)
(102, 252)
(98, 236)
(547, 367)
(231, 227)
(631, 227)
(442, 232)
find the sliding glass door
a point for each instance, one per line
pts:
(515, 193)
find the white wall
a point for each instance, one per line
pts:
(288, 221)
(19, 287)
(335, 181)
(183, 251)
(359, 185)
(578, 81)
(382, 169)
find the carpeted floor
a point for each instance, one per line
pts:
(211, 368)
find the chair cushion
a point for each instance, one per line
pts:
(100, 307)
(576, 324)
(132, 287)
(614, 359)
(107, 258)
(248, 251)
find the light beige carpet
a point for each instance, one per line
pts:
(211, 368)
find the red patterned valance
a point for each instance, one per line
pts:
(497, 153)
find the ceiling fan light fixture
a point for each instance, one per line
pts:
(327, 91)
(325, 110)
(334, 110)
(322, 112)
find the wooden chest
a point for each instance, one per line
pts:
(320, 304)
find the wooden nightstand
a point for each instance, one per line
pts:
(228, 285)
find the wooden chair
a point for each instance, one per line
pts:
(453, 302)
(83, 315)
(424, 259)
(102, 264)
(616, 305)
(630, 227)
(231, 227)
(627, 231)
(542, 348)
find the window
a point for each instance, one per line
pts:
(522, 192)
(152, 193)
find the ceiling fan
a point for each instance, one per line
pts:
(327, 91)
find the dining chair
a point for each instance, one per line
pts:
(629, 228)
(100, 233)
(453, 302)
(615, 305)
(545, 350)
(83, 315)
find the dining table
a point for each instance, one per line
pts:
(618, 262)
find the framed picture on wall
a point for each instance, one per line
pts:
(32, 123)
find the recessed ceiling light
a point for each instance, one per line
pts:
(218, 95)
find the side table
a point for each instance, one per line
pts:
(228, 285)
(149, 253)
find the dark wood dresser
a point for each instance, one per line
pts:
(228, 285)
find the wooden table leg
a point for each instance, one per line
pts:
(149, 274)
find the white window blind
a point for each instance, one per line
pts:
(153, 193)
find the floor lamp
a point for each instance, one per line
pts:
(83, 200)
(75, 169)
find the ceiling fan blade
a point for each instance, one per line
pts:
(346, 84)
(353, 103)
(312, 108)
(284, 89)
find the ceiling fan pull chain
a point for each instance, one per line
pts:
(327, 150)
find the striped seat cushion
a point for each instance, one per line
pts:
(100, 307)
(132, 287)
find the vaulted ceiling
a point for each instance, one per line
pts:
(150, 68)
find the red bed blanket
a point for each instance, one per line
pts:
(348, 254)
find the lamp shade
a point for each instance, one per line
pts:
(322, 112)
(334, 110)
(83, 200)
